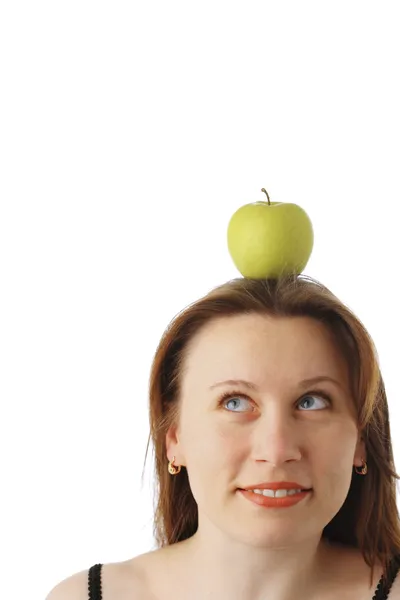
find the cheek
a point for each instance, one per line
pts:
(338, 445)
(213, 452)
(232, 444)
(332, 459)
(217, 443)
(213, 461)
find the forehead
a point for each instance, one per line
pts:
(252, 346)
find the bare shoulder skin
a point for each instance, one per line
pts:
(158, 575)
(120, 581)
(162, 577)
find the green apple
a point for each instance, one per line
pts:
(270, 239)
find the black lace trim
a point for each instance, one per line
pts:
(94, 580)
(382, 592)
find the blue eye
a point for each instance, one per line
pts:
(314, 398)
(237, 397)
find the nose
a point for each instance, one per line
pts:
(276, 439)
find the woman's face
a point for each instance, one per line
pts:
(274, 428)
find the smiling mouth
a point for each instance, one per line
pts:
(275, 499)
(250, 490)
(268, 491)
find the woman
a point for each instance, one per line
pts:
(262, 385)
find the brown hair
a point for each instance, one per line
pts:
(369, 518)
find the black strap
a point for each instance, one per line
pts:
(382, 592)
(94, 581)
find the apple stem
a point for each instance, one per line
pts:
(264, 190)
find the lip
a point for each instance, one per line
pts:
(277, 485)
(275, 503)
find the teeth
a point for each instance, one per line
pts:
(276, 493)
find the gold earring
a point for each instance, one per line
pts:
(363, 470)
(172, 468)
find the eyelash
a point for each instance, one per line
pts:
(235, 394)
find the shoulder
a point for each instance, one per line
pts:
(353, 576)
(74, 587)
(119, 581)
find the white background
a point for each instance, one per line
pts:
(130, 133)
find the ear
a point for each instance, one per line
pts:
(360, 453)
(174, 446)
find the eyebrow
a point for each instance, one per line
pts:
(253, 386)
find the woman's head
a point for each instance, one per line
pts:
(274, 334)
(276, 427)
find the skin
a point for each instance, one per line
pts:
(278, 431)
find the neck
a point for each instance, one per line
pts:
(227, 568)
